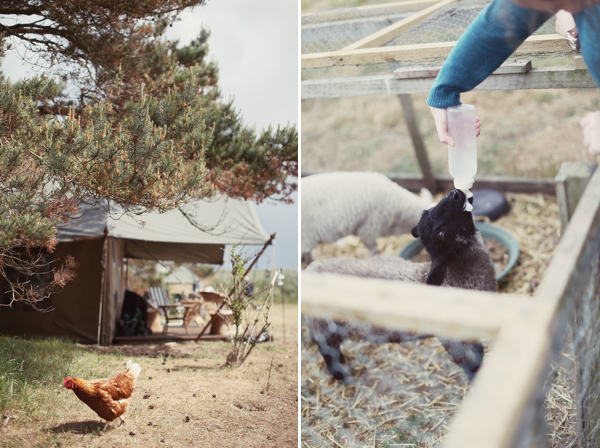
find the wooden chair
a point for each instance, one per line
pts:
(213, 302)
(159, 298)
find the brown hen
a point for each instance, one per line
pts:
(108, 397)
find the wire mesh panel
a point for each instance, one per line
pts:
(449, 23)
(583, 305)
(351, 51)
(322, 37)
(334, 29)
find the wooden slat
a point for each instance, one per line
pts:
(492, 412)
(359, 11)
(389, 33)
(416, 52)
(571, 181)
(555, 283)
(394, 4)
(564, 77)
(505, 184)
(514, 66)
(164, 337)
(417, 72)
(579, 63)
(450, 312)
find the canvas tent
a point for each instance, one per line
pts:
(99, 239)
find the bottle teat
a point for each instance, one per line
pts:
(468, 206)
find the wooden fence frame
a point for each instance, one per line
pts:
(402, 82)
(521, 327)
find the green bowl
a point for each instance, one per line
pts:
(489, 231)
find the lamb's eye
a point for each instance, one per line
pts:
(440, 236)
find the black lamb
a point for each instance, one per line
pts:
(459, 258)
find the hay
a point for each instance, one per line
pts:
(406, 394)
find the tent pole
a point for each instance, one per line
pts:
(267, 244)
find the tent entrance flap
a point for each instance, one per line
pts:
(182, 252)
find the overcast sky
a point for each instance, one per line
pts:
(255, 44)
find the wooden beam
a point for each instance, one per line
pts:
(359, 11)
(579, 63)
(587, 214)
(504, 184)
(544, 43)
(512, 66)
(571, 181)
(503, 386)
(449, 312)
(446, 183)
(391, 32)
(418, 144)
(564, 77)
(394, 4)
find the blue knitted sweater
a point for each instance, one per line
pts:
(492, 37)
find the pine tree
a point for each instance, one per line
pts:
(147, 127)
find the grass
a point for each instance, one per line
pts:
(524, 133)
(33, 369)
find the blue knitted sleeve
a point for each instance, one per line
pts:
(492, 37)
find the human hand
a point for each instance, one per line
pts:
(440, 116)
(591, 132)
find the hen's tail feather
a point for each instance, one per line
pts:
(134, 368)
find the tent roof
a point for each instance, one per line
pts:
(196, 231)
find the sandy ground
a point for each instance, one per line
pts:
(184, 397)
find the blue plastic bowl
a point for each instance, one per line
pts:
(488, 231)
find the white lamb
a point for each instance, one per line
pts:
(366, 204)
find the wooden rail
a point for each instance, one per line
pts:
(563, 77)
(547, 43)
(446, 183)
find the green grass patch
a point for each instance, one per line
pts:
(543, 97)
(31, 371)
(271, 348)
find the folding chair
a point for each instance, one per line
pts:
(159, 298)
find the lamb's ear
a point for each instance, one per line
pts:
(415, 231)
(437, 273)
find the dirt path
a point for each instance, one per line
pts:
(184, 397)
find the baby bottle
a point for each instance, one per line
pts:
(462, 157)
